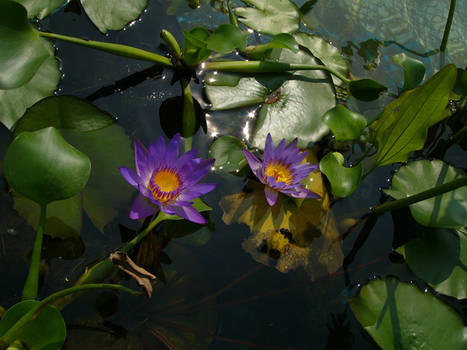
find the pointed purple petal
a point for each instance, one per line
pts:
(173, 148)
(197, 190)
(143, 168)
(253, 162)
(169, 210)
(302, 192)
(185, 158)
(280, 147)
(130, 176)
(271, 195)
(268, 150)
(141, 208)
(190, 214)
(196, 170)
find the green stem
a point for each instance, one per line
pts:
(31, 286)
(266, 67)
(103, 268)
(15, 331)
(171, 42)
(447, 28)
(432, 192)
(116, 49)
(189, 114)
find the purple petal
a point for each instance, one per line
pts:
(130, 176)
(185, 158)
(196, 170)
(302, 192)
(145, 191)
(141, 161)
(169, 210)
(253, 162)
(280, 147)
(197, 190)
(190, 214)
(268, 150)
(173, 148)
(271, 195)
(141, 208)
(157, 152)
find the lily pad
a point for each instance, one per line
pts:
(194, 50)
(113, 14)
(46, 331)
(403, 125)
(40, 8)
(22, 51)
(400, 316)
(446, 210)
(227, 151)
(439, 257)
(414, 70)
(226, 38)
(344, 181)
(270, 16)
(96, 133)
(344, 124)
(14, 102)
(42, 166)
(291, 234)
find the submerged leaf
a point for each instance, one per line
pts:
(366, 89)
(227, 151)
(344, 124)
(400, 316)
(403, 125)
(446, 210)
(344, 181)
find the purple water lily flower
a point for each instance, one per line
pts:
(167, 181)
(282, 170)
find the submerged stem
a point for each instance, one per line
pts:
(447, 28)
(116, 49)
(432, 192)
(31, 286)
(189, 114)
(267, 67)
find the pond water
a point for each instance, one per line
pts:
(221, 290)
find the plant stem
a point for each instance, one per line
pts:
(266, 67)
(171, 42)
(14, 331)
(432, 192)
(189, 114)
(447, 28)
(116, 49)
(31, 286)
(103, 268)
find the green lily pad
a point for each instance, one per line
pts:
(22, 51)
(194, 50)
(43, 167)
(403, 125)
(95, 133)
(227, 151)
(113, 14)
(344, 181)
(226, 38)
(446, 210)
(328, 54)
(270, 16)
(14, 102)
(40, 8)
(439, 257)
(400, 316)
(46, 332)
(414, 70)
(344, 124)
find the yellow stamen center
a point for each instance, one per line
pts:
(164, 185)
(280, 172)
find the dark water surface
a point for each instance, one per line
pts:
(217, 296)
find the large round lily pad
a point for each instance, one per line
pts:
(400, 316)
(42, 166)
(439, 257)
(446, 210)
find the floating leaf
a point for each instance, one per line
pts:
(270, 16)
(22, 51)
(46, 332)
(439, 257)
(446, 210)
(222, 79)
(400, 316)
(14, 102)
(226, 38)
(40, 8)
(414, 70)
(107, 145)
(113, 14)
(344, 181)
(290, 234)
(402, 127)
(227, 151)
(42, 166)
(344, 124)
(279, 41)
(328, 54)
(366, 89)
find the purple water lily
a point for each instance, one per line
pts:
(282, 170)
(167, 181)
